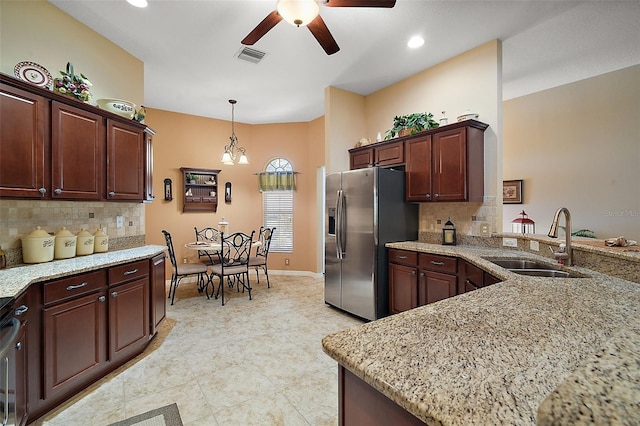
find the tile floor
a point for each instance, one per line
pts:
(257, 362)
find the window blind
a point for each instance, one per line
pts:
(277, 210)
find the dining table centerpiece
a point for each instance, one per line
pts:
(72, 84)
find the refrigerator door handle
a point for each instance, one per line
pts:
(342, 224)
(339, 225)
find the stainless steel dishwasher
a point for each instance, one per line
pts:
(10, 350)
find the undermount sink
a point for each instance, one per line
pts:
(533, 268)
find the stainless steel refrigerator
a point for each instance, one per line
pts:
(365, 209)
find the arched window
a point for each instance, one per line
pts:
(277, 184)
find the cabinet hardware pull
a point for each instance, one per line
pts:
(402, 257)
(73, 287)
(413, 272)
(157, 262)
(114, 294)
(422, 274)
(428, 196)
(102, 298)
(21, 310)
(18, 346)
(42, 191)
(58, 191)
(111, 194)
(469, 282)
(131, 272)
(433, 262)
(437, 195)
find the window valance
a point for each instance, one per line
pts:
(277, 181)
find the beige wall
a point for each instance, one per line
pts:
(190, 141)
(345, 125)
(578, 146)
(39, 32)
(472, 80)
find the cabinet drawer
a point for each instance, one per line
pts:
(434, 262)
(390, 155)
(128, 272)
(403, 257)
(67, 288)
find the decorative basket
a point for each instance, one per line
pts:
(72, 85)
(406, 131)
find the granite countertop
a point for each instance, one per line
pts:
(14, 281)
(493, 355)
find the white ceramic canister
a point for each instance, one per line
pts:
(85, 243)
(100, 241)
(37, 247)
(65, 244)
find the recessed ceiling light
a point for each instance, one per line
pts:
(415, 42)
(138, 3)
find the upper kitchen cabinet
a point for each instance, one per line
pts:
(446, 164)
(125, 159)
(77, 153)
(24, 155)
(54, 147)
(383, 154)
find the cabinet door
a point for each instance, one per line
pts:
(403, 288)
(471, 278)
(77, 151)
(125, 162)
(418, 169)
(436, 286)
(148, 165)
(24, 164)
(450, 165)
(128, 318)
(361, 159)
(74, 344)
(390, 155)
(158, 291)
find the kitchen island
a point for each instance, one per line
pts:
(493, 355)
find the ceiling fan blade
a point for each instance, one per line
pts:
(360, 3)
(320, 31)
(262, 28)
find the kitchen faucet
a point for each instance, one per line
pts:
(553, 233)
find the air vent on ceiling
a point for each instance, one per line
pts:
(251, 55)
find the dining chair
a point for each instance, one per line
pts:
(262, 251)
(233, 263)
(210, 235)
(181, 270)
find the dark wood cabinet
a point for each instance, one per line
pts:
(418, 169)
(128, 319)
(149, 195)
(472, 278)
(157, 291)
(77, 153)
(417, 279)
(361, 158)
(389, 154)
(25, 158)
(54, 147)
(200, 191)
(74, 337)
(125, 162)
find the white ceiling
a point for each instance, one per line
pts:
(188, 48)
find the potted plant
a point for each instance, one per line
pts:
(410, 124)
(191, 178)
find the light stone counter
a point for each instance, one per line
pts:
(493, 355)
(15, 280)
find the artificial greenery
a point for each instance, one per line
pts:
(417, 122)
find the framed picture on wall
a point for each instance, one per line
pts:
(512, 191)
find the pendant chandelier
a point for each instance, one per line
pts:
(232, 152)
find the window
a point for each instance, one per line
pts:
(277, 204)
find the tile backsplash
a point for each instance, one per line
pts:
(19, 217)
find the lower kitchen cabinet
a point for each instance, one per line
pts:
(128, 319)
(92, 323)
(473, 278)
(74, 344)
(403, 288)
(434, 286)
(158, 292)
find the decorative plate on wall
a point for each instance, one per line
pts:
(33, 73)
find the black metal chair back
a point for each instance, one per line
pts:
(210, 235)
(233, 263)
(181, 270)
(262, 251)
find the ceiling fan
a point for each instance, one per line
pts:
(307, 13)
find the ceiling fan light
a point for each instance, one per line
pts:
(298, 12)
(138, 3)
